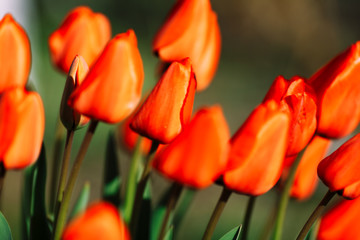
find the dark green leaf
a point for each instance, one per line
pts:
(184, 203)
(82, 201)
(145, 213)
(26, 202)
(112, 180)
(233, 234)
(169, 234)
(5, 232)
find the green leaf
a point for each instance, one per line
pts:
(5, 232)
(169, 234)
(185, 201)
(233, 234)
(39, 225)
(26, 202)
(112, 179)
(145, 213)
(82, 201)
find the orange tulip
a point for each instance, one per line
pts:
(169, 106)
(298, 98)
(15, 54)
(101, 221)
(112, 88)
(22, 123)
(306, 174)
(338, 90)
(71, 119)
(82, 32)
(258, 150)
(198, 156)
(339, 171)
(191, 30)
(341, 222)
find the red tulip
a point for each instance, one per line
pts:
(101, 221)
(198, 156)
(338, 90)
(77, 73)
(168, 107)
(192, 31)
(258, 150)
(22, 123)
(112, 88)
(15, 54)
(297, 98)
(341, 222)
(339, 171)
(82, 32)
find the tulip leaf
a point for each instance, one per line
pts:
(185, 201)
(169, 234)
(82, 201)
(145, 213)
(112, 179)
(39, 225)
(5, 232)
(233, 234)
(26, 201)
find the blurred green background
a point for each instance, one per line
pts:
(261, 39)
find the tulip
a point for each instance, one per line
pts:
(82, 32)
(101, 221)
(15, 54)
(198, 156)
(191, 30)
(298, 99)
(339, 171)
(169, 106)
(77, 73)
(338, 90)
(258, 150)
(112, 88)
(341, 222)
(22, 123)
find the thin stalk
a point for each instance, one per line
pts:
(141, 187)
(132, 180)
(249, 211)
(59, 139)
(284, 198)
(60, 221)
(64, 169)
(174, 197)
(2, 177)
(315, 215)
(224, 197)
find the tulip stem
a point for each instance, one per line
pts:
(64, 170)
(284, 198)
(61, 219)
(249, 211)
(224, 197)
(141, 187)
(176, 189)
(315, 215)
(59, 138)
(2, 176)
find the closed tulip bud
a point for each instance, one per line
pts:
(338, 92)
(191, 30)
(258, 150)
(112, 88)
(341, 222)
(339, 171)
(169, 106)
(22, 123)
(101, 221)
(15, 54)
(198, 156)
(82, 32)
(298, 99)
(70, 118)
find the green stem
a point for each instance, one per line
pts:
(284, 198)
(132, 180)
(315, 215)
(141, 188)
(249, 211)
(60, 221)
(224, 197)
(174, 196)
(64, 170)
